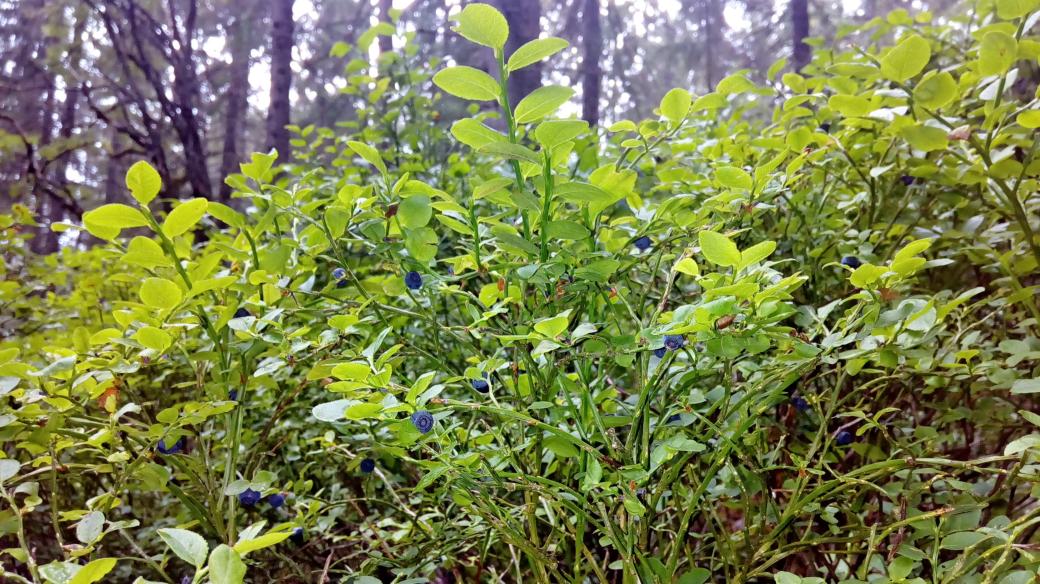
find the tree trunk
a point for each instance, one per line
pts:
(800, 30)
(281, 78)
(386, 43)
(237, 102)
(524, 17)
(45, 241)
(591, 71)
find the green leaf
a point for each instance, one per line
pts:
(160, 293)
(143, 181)
(245, 546)
(1029, 119)
(94, 571)
(184, 217)
(866, 275)
(467, 83)
(153, 338)
(735, 83)
(757, 253)
(534, 51)
(675, 105)
(1026, 386)
(482, 24)
(733, 177)
(415, 211)
(511, 151)
(145, 252)
(718, 249)
(364, 411)
(554, 326)
(474, 134)
(106, 221)
(786, 578)
(370, 154)
(8, 468)
(552, 133)
(541, 102)
(560, 447)
(925, 138)
(226, 566)
(1011, 9)
(567, 230)
(997, 52)
(90, 527)
(906, 59)
(962, 540)
(850, 106)
(687, 266)
(935, 90)
(188, 545)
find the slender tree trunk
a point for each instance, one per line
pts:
(386, 43)
(281, 78)
(524, 17)
(713, 23)
(45, 241)
(800, 30)
(591, 70)
(186, 123)
(237, 102)
(115, 167)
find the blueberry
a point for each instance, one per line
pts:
(339, 274)
(423, 421)
(176, 447)
(659, 353)
(674, 342)
(799, 403)
(642, 244)
(907, 179)
(851, 261)
(480, 385)
(242, 313)
(368, 465)
(342, 284)
(825, 127)
(249, 497)
(276, 500)
(413, 280)
(844, 438)
(297, 535)
(233, 395)
(674, 419)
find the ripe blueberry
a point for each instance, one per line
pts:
(480, 385)
(642, 244)
(297, 535)
(249, 497)
(241, 313)
(844, 438)
(339, 274)
(799, 403)
(233, 395)
(176, 447)
(276, 500)
(423, 421)
(907, 179)
(413, 280)
(851, 261)
(368, 465)
(659, 353)
(674, 342)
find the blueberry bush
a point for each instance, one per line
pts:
(781, 332)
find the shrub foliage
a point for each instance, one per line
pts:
(726, 344)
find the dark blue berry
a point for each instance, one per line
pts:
(297, 535)
(413, 280)
(339, 274)
(423, 421)
(844, 438)
(851, 261)
(674, 342)
(233, 395)
(659, 353)
(907, 179)
(342, 284)
(242, 313)
(825, 127)
(249, 497)
(480, 385)
(176, 447)
(368, 465)
(276, 500)
(674, 418)
(799, 403)
(642, 244)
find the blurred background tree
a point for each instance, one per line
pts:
(192, 86)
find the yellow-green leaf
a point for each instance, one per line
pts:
(160, 293)
(467, 83)
(184, 217)
(143, 181)
(687, 266)
(534, 51)
(541, 102)
(483, 24)
(718, 249)
(906, 59)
